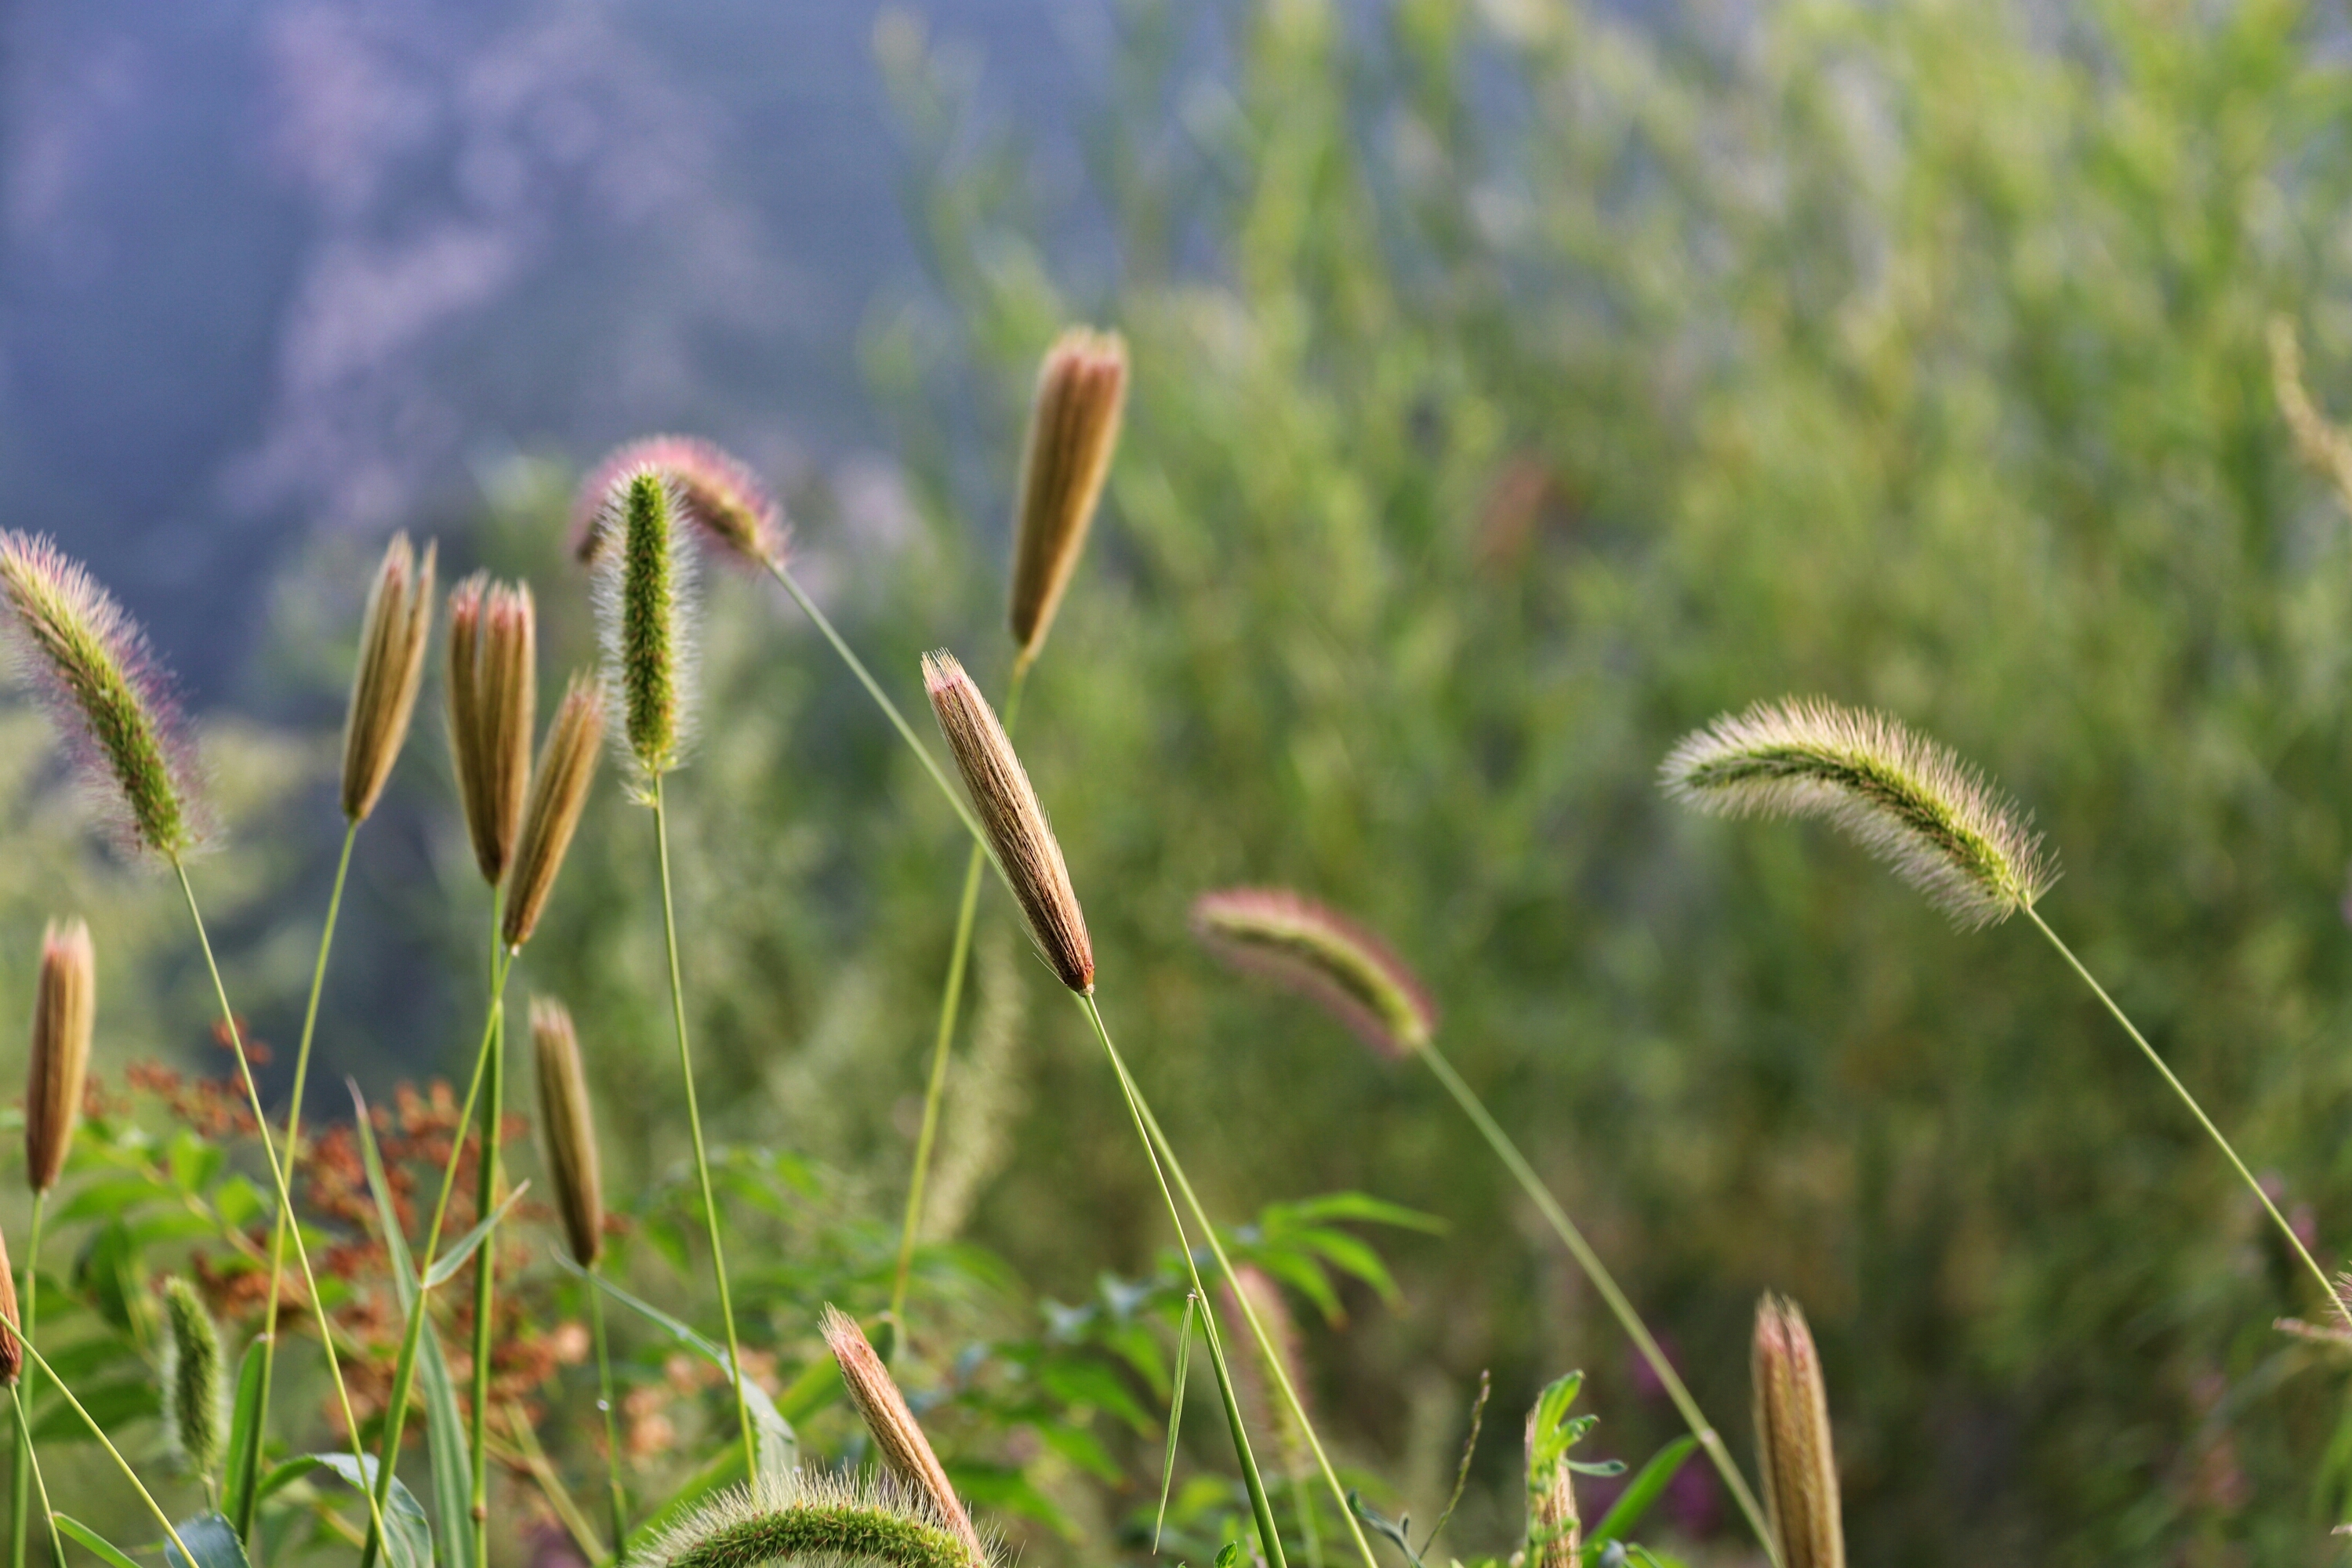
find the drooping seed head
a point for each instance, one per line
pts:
(808, 1516)
(391, 669)
(570, 1128)
(65, 1010)
(196, 1386)
(1907, 800)
(1315, 951)
(1015, 824)
(558, 792)
(719, 493)
(493, 697)
(644, 606)
(1792, 1437)
(1072, 431)
(902, 1444)
(89, 661)
(12, 1348)
(1555, 1530)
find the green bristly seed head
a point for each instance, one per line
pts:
(643, 593)
(195, 1397)
(1907, 800)
(809, 1517)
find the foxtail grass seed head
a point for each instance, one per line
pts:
(196, 1384)
(809, 1516)
(391, 669)
(89, 661)
(65, 1010)
(902, 1444)
(570, 1128)
(719, 493)
(1072, 431)
(558, 792)
(1907, 800)
(493, 695)
(1015, 824)
(1251, 1376)
(1792, 1439)
(644, 606)
(1314, 949)
(1555, 1530)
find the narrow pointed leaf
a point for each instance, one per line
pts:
(1643, 1491)
(246, 1419)
(466, 1245)
(114, 1557)
(1175, 1415)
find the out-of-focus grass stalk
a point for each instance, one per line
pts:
(486, 1204)
(20, 1499)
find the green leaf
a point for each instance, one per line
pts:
(1641, 1493)
(110, 1405)
(1350, 1205)
(109, 1199)
(114, 1556)
(1084, 1382)
(246, 1421)
(238, 1203)
(213, 1540)
(1353, 1255)
(1175, 1415)
(408, 1539)
(111, 1276)
(192, 1163)
(464, 1246)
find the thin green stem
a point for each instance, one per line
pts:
(612, 1426)
(951, 1002)
(285, 1197)
(2326, 1288)
(243, 1504)
(694, 1124)
(1269, 1535)
(33, 1465)
(20, 1495)
(486, 1203)
(1156, 1144)
(105, 1442)
(404, 1374)
(1606, 1283)
(874, 689)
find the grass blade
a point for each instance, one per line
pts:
(1642, 1493)
(1175, 1413)
(113, 1556)
(245, 1430)
(447, 1265)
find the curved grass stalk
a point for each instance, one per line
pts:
(104, 1441)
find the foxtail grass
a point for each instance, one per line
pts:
(806, 1516)
(1794, 1453)
(1934, 820)
(65, 1015)
(196, 1381)
(897, 1434)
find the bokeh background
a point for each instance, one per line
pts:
(1517, 385)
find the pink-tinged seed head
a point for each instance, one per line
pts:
(716, 492)
(1074, 423)
(1314, 949)
(65, 1014)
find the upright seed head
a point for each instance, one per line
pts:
(1555, 1530)
(644, 596)
(558, 792)
(1314, 949)
(904, 1447)
(1015, 824)
(11, 1347)
(89, 661)
(570, 1127)
(493, 695)
(65, 1009)
(1907, 800)
(807, 1516)
(391, 669)
(719, 493)
(195, 1388)
(1072, 431)
(1792, 1439)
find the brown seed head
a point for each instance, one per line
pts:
(391, 669)
(558, 792)
(1072, 431)
(723, 497)
(1015, 824)
(1792, 1438)
(1293, 940)
(65, 1008)
(12, 1349)
(89, 662)
(1555, 1530)
(492, 660)
(904, 1447)
(570, 1129)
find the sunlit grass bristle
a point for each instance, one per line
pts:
(718, 493)
(1907, 800)
(645, 597)
(903, 1447)
(65, 1012)
(391, 669)
(195, 1384)
(89, 661)
(1314, 949)
(559, 793)
(813, 1517)
(568, 1124)
(1015, 824)
(1073, 422)
(1796, 1458)
(493, 695)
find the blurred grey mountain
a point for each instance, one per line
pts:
(278, 265)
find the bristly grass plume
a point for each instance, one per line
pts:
(559, 793)
(195, 1384)
(1908, 801)
(391, 669)
(1293, 940)
(717, 491)
(904, 1447)
(1792, 1439)
(1074, 423)
(569, 1126)
(808, 1516)
(493, 695)
(1017, 830)
(65, 1013)
(91, 662)
(645, 597)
